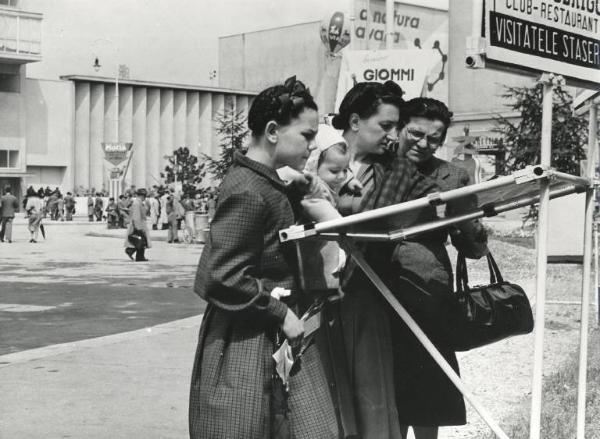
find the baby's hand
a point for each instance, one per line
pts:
(301, 181)
(355, 186)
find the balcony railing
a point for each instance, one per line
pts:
(20, 36)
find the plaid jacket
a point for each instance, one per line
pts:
(243, 261)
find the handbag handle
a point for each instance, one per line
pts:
(462, 277)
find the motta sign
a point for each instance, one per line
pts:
(116, 152)
(558, 36)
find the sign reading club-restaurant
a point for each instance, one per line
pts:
(560, 36)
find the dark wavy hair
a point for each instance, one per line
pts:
(428, 108)
(280, 103)
(364, 99)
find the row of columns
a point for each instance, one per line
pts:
(156, 120)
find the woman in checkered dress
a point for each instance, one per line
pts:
(234, 390)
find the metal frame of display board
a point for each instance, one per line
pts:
(342, 230)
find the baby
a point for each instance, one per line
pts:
(327, 171)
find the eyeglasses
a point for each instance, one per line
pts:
(417, 136)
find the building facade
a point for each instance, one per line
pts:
(473, 95)
(57, 109)
(20, 44)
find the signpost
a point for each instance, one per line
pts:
(552, 38)
(116, 153)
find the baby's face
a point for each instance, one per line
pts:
(334, 168)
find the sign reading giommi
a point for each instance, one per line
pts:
(558, 36)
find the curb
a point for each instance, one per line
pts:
(64, 348)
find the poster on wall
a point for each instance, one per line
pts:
(407, 68)
(558, 37)
(415, 28)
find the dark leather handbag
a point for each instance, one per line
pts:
(485, 314)
(138, 239)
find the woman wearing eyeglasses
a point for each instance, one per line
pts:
(425, 397)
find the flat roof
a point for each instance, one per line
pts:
(152, 84)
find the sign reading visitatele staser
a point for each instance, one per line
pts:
(558, 36)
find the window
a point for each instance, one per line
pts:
(9, 158)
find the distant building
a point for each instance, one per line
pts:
(53, 122)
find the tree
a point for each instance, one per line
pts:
(188, 170)
(232, 130)
(521, 140)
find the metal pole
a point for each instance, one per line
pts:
(585, 313)
(421, 336)
(389, 24)
(587, 265)
(542, 260)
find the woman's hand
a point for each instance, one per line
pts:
(293, 328)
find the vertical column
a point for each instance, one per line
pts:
(82, 135)
(242, 104)
(110, 134)
(218, 107)
(153, 154)
(205, 122)
(166, 125)
(126, 123)
(98, 175)
(179, 118)
(138, 162)
(193, 122)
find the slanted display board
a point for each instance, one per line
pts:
(559, 36)
(404, 220)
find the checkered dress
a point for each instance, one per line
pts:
(232, 380)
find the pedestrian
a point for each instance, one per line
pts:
(98, 207)
(172, 233)
(123, 212)
(69, 202)
(138, 227)
(112, 215)
(51, 205)
(235, 390)
(8, 206)
(90, 206)
(154, 210)
(163, 219)
(60, 208)
(35, 209)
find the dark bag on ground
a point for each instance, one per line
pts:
(137, 239)
(485, 314)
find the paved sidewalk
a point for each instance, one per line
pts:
(129, 385)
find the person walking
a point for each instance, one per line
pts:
(90, 207)
(138, 227)
(154, 210)
(172, 233)
(35, 209)
(69, 206)
(98, 207)
(8, 206)
(60, 208)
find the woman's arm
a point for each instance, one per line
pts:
(229, 276)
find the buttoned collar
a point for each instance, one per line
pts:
(261, 169)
